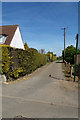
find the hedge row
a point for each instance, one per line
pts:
(18, 62)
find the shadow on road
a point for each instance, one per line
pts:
(57, 78)
(19, 118)
(59, 62)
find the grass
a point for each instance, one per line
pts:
(59, 59)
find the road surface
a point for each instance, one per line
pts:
(41, 96)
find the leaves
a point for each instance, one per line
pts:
(69, 53)
(18, 62)
(26, 46)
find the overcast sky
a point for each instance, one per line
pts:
(41, 23)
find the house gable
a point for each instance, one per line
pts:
(9, 31)
(13, 34)
(17, 41)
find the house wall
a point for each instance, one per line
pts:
(17, 40)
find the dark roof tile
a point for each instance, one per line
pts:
(8, 31)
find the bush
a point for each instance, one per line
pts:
(70, 51)
(26, 46)
(18, 62)
(51, 57)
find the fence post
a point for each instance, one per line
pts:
(76, 57)
(71, 70)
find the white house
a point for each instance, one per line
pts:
(11, 35)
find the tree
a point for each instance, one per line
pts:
(26, 46)
(42, 51)
(78, 52)
(69, 53)
(54, 54)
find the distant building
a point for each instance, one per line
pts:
(11, 35)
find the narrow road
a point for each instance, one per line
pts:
(41, 96)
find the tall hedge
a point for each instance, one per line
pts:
(18, 62)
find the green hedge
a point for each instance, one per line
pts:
(18, 62)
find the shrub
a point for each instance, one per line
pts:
(26, 46)
(18, 62)
(51, 57)
(5, 61)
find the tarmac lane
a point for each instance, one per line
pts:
(41, 95)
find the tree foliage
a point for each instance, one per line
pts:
(42, 51)
(70, 51)
(26, 46)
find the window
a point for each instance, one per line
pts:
(2, 39)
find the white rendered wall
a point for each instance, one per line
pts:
(17, 40)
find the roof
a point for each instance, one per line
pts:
(8, 31)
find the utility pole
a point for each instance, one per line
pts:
(64, 43)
